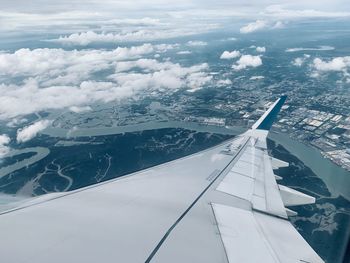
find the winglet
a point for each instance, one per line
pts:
(266, 120)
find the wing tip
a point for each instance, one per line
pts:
(265, 122)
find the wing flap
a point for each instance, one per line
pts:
(292, 197)
(276, 163)
(243, 241)
(250, 236)
(252, 178)
(288, 245)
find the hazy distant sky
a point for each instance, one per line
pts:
(15, 14)
(39, 6)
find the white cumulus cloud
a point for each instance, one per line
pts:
(230, 55)
(80, 109)
(260, 25)
(63, 67)
(298, 62)
(254, 26)
(33, 96)
(29, 132)
(160, 75)
(261, 49)
(247, 61)
(336, 64)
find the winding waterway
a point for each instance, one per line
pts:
(336, 178)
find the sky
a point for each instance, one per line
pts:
(15, 14)
(40, 6)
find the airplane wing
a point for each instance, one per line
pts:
(219, 205)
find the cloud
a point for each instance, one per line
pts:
(298, 62)
(15, 20)
(320, 48)
(16, 122)
(133, 34)
(120, 7)
(165, 47)
(184, 52)
(196, 43)
(62, 67)
(230, 55)
(253, 27)
(35, 94)
(145, 21)
(336, 64)
(261, 49)
(160, 75)
(4, 141)
(278, 25)
(149, 64)
(247, 61)
(23, 20)
(224, 82)
(29, 132)
(16, 100)
(80, 109)
(256, 77)
(86, 38)
(77, 15)
(260, 25)
(281, 12)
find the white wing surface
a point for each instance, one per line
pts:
(219, 205)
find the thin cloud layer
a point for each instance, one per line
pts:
(279, 11)
(196, 43)
(86, 38)
(152, 29)
(320, 48)
(4, 141)
(77, 21)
